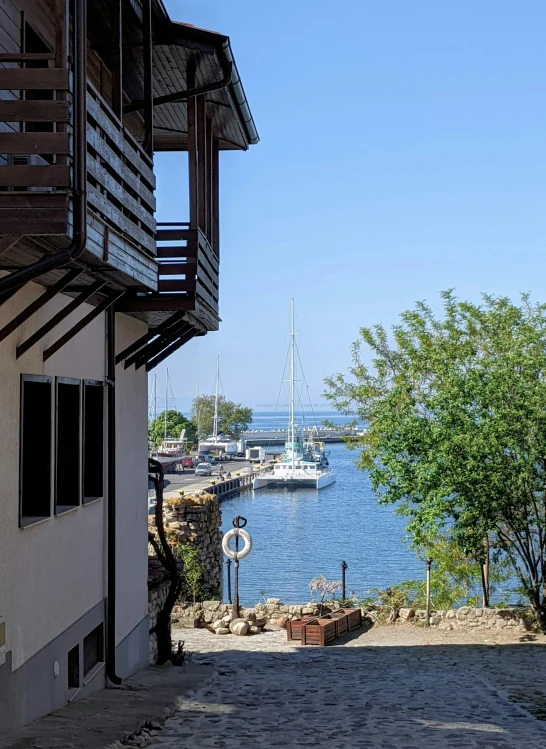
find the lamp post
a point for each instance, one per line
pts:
(427, 620)
(344, 566)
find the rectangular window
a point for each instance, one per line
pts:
(93, 649)
(68, 443)
(93, 440)
(73, 672)
(35, 449)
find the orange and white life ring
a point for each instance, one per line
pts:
(237, 533)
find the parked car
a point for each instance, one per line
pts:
(203, 469)
(187, 462)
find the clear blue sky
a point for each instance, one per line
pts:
(403, 151)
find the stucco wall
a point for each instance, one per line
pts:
(131, 485)
(53, 572)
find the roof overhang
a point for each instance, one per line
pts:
(176, 47)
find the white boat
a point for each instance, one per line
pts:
(217, 442)
(299, 466)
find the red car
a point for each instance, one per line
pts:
(187, 462)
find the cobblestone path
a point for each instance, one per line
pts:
(266, 693)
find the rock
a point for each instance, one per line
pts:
(261, 622)
(309, 609)
(189, 622)
(239, 627)
(435, 620)
(273, 601)
(420, 614)
(222, 631)
(255, 630)
(450, 615)
(218, 624)
(406, 613)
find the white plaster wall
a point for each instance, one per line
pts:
(53, 572)
(131, 484)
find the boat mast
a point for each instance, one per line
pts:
(197, 410)
(155, 397)
(292, 376)
(166, 404)
(215, 425)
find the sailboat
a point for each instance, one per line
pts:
(299, 466)
(172, 449)
(217, 442)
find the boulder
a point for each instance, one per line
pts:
(218, 624)
(406, 613)
(222, 631)
(211, 605)
(255, 630)
(239, 627)
(273, 601)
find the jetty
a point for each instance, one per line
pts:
(274, 437)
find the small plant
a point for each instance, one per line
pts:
(193, 574)
(262, 596)
(324, 588)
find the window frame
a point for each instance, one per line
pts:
(27, 520)
(102, 384)
(62, 509)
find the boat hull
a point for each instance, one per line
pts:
(304, 482)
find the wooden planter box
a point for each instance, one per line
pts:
(294, 627)
(321, 632)
(342, 621)
(354, 618)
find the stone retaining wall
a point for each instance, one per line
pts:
(465, 618)
(196, 520)
(157, 595)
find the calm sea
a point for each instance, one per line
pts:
(298, 535)
(278, 419)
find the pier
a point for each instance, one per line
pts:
(277, 437)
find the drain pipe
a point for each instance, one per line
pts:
(111, 513)
(79, 237)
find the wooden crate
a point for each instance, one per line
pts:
(294, 627)
(354, 618)
(342, 621)
(321, 631)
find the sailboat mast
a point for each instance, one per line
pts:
(155, 397)
(292, 377)
(215, 426)
(166, 404)
(197, 410)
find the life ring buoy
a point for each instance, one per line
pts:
(237, 533)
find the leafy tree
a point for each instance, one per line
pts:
(233, 418)
(456, 413)
(176, 422)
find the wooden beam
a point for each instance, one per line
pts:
(171, 349)
(147, 61)
(26, 56)
(117, 57)
(59, 317)
(165, 339)
(35, 176)
(144, 339)
(38, 303)
(192, 147)
(35, 79)
(202, 164)
(34, 143)
(34, 111)
(81, 324)
(209, 155)
(215, 236)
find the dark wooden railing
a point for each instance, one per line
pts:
(35, 170)
(187, 265)
(121, 180)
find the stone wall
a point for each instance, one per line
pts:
(157, 595)
(196, 520)
(467, 618)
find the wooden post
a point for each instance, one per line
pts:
(202, 164)
(117, 58)
(208, 149)
(62, 12)
(215, 198)
(192, 151)
(147, 59)
(427, 619)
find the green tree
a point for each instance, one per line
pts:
(176, 422)
(233, 418)
(456, 414)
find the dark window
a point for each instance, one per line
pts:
(35, 448)
(93, 441)
(68, 442)
(93, 649)
(74, 668)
